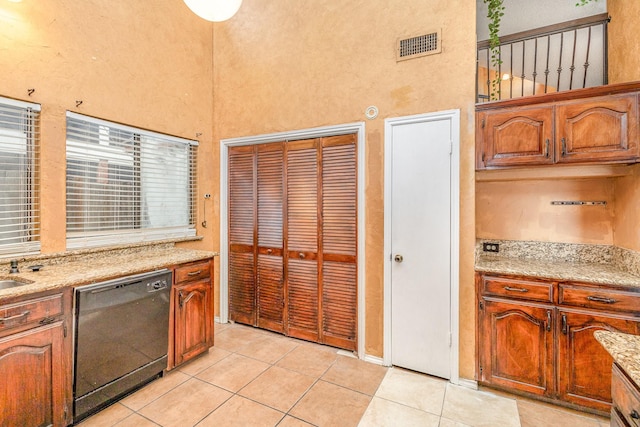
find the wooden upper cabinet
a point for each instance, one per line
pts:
(600, 129)
(518, 137)
(594, 125)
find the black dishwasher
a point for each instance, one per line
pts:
(122, 334)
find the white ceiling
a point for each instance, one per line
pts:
(522, 15)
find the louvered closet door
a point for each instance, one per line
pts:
(302, 239)
(339, 242)
(270, 268)
(242, 218)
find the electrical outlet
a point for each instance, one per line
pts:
(490, 247)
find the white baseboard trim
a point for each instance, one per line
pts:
(373, 359)
(468, 383)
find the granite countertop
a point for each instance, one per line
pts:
(625, 350)
(91, 268)
(588, 272)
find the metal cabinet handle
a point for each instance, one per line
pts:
(547, 148)
(548, 320)
(565, 328)
(17, 316)
(301, 255)
(184, 300)
(398, 258)
(564, 147)
(194, 273)
(509, 288)
(634, 414)
(269, 251)
(601, 299)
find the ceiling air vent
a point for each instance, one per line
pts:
(414, 47)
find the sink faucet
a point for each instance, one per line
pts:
(14, 267)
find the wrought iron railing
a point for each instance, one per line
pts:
(564, 56)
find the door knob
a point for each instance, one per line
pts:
(398, 258)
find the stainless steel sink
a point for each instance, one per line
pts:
(10, 283)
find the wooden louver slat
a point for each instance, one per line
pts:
(339, 304)
(302, 199)
(242, 288)
(302, 240)
(302, 298)
(242, 283)
(339, 242)
(270, 268)
(292, 258)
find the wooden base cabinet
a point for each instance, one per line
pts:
(517, 346)
(584, 366)
(35, 362)
(625, 411)
(192, 313)
(536, 337)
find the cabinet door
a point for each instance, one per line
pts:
(515, 137)
(597, 129)
(584, 366)
(193, 319)
(270, 268)
(35, 386)
(242, 227)
(516, 346)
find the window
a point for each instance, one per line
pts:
(19, 226)
(127, 185)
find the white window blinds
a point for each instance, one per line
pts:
(127, 185)
(19, 194)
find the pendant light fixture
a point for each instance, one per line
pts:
(214, 10)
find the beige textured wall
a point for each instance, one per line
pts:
(624, 41)
(522, 210)
(626, 224)
(148, 67)
(295, 64)
(624, 66)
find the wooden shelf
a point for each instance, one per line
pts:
(555, 172)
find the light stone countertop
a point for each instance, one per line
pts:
(587, 272)
(79, 270)
(625, 350)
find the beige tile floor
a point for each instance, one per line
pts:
(256, 378)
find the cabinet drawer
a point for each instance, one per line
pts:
(607, 299)
(191, 272)
(519, 289)
(626, 397)
(31, 311)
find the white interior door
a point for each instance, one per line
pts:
(421, 246)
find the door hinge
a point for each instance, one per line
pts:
(450, 339)
(481, 305)
(483, 123)
(481, 368)
(66, 412)
(450, 147)
(64, 329)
